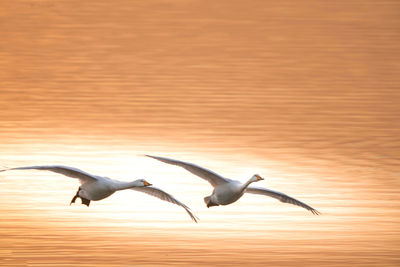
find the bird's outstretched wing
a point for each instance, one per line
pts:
(156, 192)
(65, 170)
(210, 176)
(281, 197)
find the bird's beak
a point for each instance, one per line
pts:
(146, 183)
(259, 178)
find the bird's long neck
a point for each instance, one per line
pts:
(126, 185)
(246, 184)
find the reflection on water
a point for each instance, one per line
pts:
(304, 94)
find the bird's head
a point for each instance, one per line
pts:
(143, 182)
(256, 178)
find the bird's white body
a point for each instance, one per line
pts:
(227, 193)
(97, 190)
(104, 187)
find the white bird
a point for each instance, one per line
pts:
(227, 191)
(95, 187)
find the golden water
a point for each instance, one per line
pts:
(304, 93)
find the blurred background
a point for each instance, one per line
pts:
(305, 93)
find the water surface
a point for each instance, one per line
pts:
(304, 93)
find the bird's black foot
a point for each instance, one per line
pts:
(73, 200)
(85, 201)
(209, 203)
(75, 197)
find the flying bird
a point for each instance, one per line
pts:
(95, 187)
(227, 191)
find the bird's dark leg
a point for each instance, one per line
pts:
(75, 197)
(209, 203)
(85, 201)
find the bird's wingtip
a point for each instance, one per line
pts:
(316, 212)
(5, 168)
(196, 219)
(153, 157)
